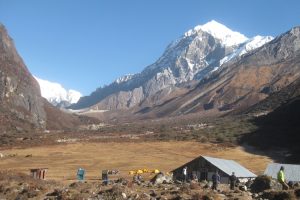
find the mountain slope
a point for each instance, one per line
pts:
(280, 126)
(22, 108)
(239, 85)
(20, 96)
(196, 54)
(56, 94)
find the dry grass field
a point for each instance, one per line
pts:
(63, 160)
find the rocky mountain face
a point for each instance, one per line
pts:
(240, 84)
(20, 96)
(196, 54)
(22, 108)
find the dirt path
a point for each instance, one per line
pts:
(64, 160)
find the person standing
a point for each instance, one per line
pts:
(281, 178)
(216, 180)
(232, 180)
(184, 171)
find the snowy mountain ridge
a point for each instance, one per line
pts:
(193, 56)
(56, 94)
(248, 46)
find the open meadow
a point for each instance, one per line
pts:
(63, 160)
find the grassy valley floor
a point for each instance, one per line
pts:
(63, 160)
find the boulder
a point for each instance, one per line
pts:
(161, 178)
(124, 195)
(153, 193)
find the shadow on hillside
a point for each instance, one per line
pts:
(276, 131)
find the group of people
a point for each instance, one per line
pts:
(233, 179)
(216, 180)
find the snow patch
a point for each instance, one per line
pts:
(248, 46)
(124, 78)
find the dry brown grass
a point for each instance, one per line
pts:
(64, 160)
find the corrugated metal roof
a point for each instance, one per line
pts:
(292, 172)
(229, 166)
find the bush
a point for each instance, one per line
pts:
(261, 183)
(278, 195)
(220, 138)
(203, 139)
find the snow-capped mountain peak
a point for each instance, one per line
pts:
(221, 32)
(55, 93)
(193, 56)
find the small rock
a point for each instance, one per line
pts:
(136, 196)
(153, 193)
(124, 195)
(145, 196)
(243, 187)
(222, 196)
(255, 195)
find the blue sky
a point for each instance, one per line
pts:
(86, 44)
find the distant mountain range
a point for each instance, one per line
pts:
(209, 69)
(201, 52)
(56, 94)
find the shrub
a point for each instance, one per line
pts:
(261, 183)
(278, 195)
(220, 138)
(203, 139)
